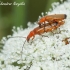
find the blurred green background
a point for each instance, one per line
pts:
(13, 15)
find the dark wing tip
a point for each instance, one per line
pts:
(65, 16)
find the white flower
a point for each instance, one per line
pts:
(41, 53)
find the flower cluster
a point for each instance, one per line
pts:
(41, 53)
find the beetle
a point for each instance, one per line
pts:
(51, 19)
(40, 30)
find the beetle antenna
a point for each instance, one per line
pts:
(22, 48)
(17, 36)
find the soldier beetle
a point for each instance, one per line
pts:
(51, 19)
(40, 30)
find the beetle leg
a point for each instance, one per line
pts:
(33, 37)
(60, 23)
(44, 36)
